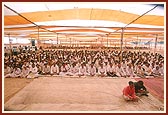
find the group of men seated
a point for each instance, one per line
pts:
(84, 63)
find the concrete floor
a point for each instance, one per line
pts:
(79, 94)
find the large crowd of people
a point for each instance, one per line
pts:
(106, 63)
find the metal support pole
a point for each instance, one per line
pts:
(38, 39)
(10, 44)
(66, 43)
(57, 39)
(155, 49)
(107, 40)
(10, 41)
(70, 43)
(139, 45)
(121, 43)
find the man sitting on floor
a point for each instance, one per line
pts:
(140, 89)
(129, 92)
(46, 69)
(156, 72)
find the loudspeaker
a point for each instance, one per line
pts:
(33, 42)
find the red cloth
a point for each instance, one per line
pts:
(128, 91)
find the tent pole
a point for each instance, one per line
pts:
(57, 39)
(10, 44)
(66, 44)
(121, 43)
(70, 43)
(38, 38)
(137, 44)
(107, 40)
(155, 49)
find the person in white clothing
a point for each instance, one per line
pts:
(101, 71)
(8, 71)
(156, 72)
(82, 70)
(111, 70)
(46, 69)
(129, 71)
(139, 71)
(120, 71)
(87, 65)
(24, 64)
(54, 69)
(17, 72)
(147, 69)
(33, 72)
(161, 69)
(92, 70)
(67, 65)
(25, 72)
(73, 70)
(39, 69)
(124, 65)
(64, 69)
(34, 69)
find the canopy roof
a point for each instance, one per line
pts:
(83, 21)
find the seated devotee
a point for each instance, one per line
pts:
(17, 72)
(129, 92)
(161, 69)
(63, 70)
(24, 64)
(46, 69)
(54, 69)
(92, 70)
(105, 65)
(147, 70)
(67, 65)
(140, 71)
(124, 65)
(25, 72)
(39, 69)
(152, 65)
(101, 71)
(156, 72)
(8, 71)
(82, 70)
(128, 61)
(129, 71)
(111, 70)
(74, 70)
(33, 72)
(97, 64)
(120, 71)
(140, 89)
(87, 67)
